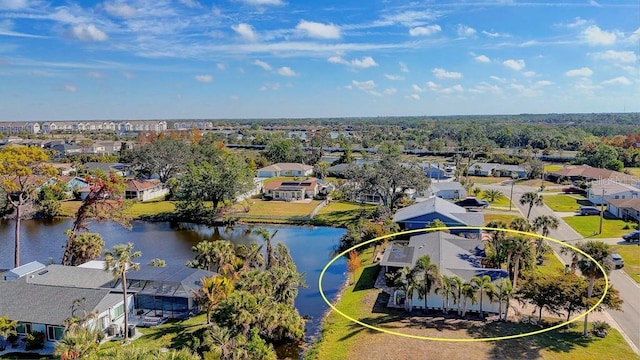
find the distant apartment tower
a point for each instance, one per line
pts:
(48, 127)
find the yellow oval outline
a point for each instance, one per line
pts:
(606, 279)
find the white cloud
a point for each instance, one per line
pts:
(88, 32)
(221, 66)
(443, 74)
(286, 71)
(414, 96)
(394, 77)
(263, 65)
(267, 86)
(432, 86)
(424, 30)
(70, 88)
(529, 74)
(119, 10)
(578, 22)
(245, 30)
(95, 75)
(491, 34)
(596, 36)
(408, 18)
(364, 85)
(582, 72)
(417, 88)
(190, 3)
(482, 59)
(319, 30)
(498, 79)
(13, 4)
(363, 63)
(634, 37)
(390, 91)
(544, 83)
(617, 56)
(484, 88)
(403, 67)
(516, 65)
(620, 80)
(128, 75)
(466, 31)
(203, 78)
(263, 2)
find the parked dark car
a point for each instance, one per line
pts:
(573, 190)
(589, 210)
(472, 203)
(632, 236)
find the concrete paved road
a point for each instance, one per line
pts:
(628, 320)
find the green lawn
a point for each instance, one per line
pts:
(552, 168)
(551, 265)
(339, 213)
(506, 218)
(565, 203)
(631, 255)
(588, 226)
(138, 209)
(488, 179)
(276, 209)
(503, 201)
(635, 171)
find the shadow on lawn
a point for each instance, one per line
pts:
(557, 340)
(368, 278)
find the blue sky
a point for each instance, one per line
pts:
(148, 59)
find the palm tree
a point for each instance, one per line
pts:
(77, 344)
(430, 277)
(520, 249)
(600, 252)
(469, 292)
(7, 328)
(119, 260)
(503, 292)
(544, 223)
(406, 283)
(497, 239)
(213, 290)
(476, 191)
(251, 256)
(456, 290)
(484, 285)
(445, 291)
(520, 224)
(264, 233)
(492, 195)
(85, 247)
(532, 199)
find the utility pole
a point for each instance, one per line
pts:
(513, 181)
(601, 211)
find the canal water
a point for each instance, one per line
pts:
(311, 249)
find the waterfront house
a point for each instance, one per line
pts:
(291, 190)
(454, 256)
(144, 190)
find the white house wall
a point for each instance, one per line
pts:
(435, 302)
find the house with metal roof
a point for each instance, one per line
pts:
(422, 214)
(454, 256)
(449, 190)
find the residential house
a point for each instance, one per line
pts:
(338, 170)
(285, 169)
(43, 299)
(627, 209)
(118, 168)
(258, 187)
(144, 190)
(67, 149)
(64, 169)
(291, 190)
(588, 173)
(495, 169)
(454, 256)
(446, 190)
(22, 270)
(421, 215)
(612, 191)
(438, 171)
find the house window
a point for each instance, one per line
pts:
(23, 328)
(118, 311)
(103, 322)
(54, 332)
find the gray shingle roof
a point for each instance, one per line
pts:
(46, 304)
(454, 255)
(71, 276)
(429, 206)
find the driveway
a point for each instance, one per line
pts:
(627, 320)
